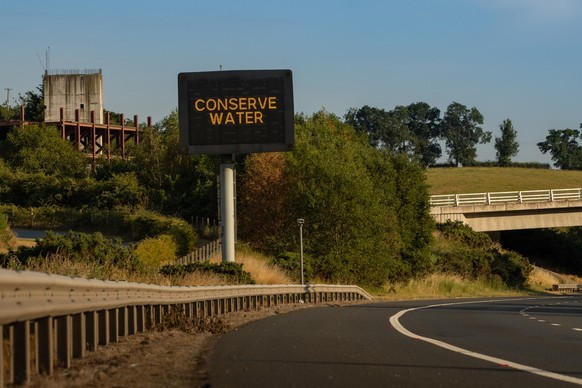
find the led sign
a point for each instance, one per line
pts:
(233, 112)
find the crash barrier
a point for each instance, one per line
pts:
(572, 287)
(50, 319)
(506, 197)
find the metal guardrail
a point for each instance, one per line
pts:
(573, 287)
(506, 197)
(62, 317)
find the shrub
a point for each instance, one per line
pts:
(135, 226)
(473, 255)
(147, 224)
(233, 272)
(81, 247)
(291, 263)
(156, 251)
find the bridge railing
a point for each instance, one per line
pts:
(506, 197)
(48, 319)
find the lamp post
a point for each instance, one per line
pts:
(300, 222)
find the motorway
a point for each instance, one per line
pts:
(502, 342)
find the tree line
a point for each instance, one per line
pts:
(418, 129)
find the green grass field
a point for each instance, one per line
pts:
(494, 179)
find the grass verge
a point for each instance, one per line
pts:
(497, 179)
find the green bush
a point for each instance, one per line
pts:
(233, 272)
(156, 251)
(80, 247)
(133, 226)
(147, 224)
(5, 232)
(291, 263)
(473, 255)
(463, 233)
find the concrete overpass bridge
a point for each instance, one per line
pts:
(511, 210)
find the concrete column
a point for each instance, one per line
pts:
(227, 210)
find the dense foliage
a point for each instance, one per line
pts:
(413, 129)
(474, 255)
(366, 211)
(565, 148)
(75, 246)
(233, 272)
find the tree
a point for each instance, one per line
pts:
(461, 131)
(423, 122)
(176, 182)
(366, 210)
(264, 179)
(371, 121)
(349, 229)
(33, 105)
(411, 129)
(35, 149)
(563, 145)
(506, 145)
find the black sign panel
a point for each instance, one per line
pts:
(233, 112)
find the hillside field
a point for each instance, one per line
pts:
(494, 179)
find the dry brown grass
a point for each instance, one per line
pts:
(543, 279)
(443, 285)
(259, 267)
(58, 264)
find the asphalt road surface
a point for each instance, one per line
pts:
(508, 342)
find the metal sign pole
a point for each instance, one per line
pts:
(300, 222)
(227, 210)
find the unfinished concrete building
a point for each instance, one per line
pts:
(73, 90)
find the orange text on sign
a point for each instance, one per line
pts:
(236, 110)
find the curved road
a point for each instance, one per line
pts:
(531, 342)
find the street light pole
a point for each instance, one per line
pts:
(300, 222)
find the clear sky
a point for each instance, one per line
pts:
(516, 59)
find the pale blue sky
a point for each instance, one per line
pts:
(516, 59)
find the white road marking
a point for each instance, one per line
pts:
(394, 320)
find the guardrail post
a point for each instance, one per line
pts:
(64, 349)
(551, 195)
(103, 317)
(131, 320)
(114, 325)
(20, 352)
(123, 324)
(79, 335)
(44, 346)
(140, 318)
(157, 318)
(92, 330)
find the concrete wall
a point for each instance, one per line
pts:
(489, 218)
(72, 90)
